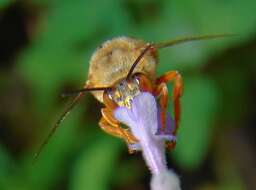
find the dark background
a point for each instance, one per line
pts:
(45, 47)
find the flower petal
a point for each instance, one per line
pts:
(144, 109)
(123, 115)
(165, 133)
(170, 124)
(135, 147)
(143, 120)
(166, 180)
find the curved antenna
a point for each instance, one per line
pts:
(172, 43)
(75, 92)
(190, 39)
(64, 114)
(137, 61)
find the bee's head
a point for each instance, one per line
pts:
(124, 91)
(127, 88)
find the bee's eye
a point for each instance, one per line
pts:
(136, 78)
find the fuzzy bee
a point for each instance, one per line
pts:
(119, 70)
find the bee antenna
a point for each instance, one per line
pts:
(191, 38)
(75, 92)
(79, 94)
(172, 43)
(57, 124)
(148, 47)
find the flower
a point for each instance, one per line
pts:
(143, 120)
(166, 180)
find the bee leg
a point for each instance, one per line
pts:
(175, 77)
(111, 126)
(162, 91)
(110, 129)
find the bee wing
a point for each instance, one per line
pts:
(190, 39)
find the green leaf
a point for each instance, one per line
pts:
(199, 105)
(61, 50)
(5, 162)
(186, 18)
(49, 166)
(96, 165)
(4, 3)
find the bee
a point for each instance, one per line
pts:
(119, 70)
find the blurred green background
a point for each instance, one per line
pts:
(45, 47)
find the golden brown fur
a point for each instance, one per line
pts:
(113, 60)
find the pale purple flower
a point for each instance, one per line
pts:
(143, 120)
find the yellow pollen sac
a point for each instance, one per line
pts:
(128, 101)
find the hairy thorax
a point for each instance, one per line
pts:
(112, 61)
